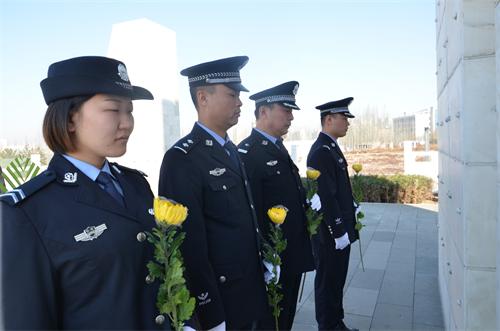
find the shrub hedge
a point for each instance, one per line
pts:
(391, 189)
(394, 188)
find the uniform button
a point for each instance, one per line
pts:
(149, 279)
(141, 236)
(160, 319)
(222, 279)
(257, 229)
(224, 187)
(251, 206)
(278, 172)
(246, 182)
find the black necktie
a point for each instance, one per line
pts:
(231, 150)
(104, 179)
(282, 147)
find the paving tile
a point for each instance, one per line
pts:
(427, 265)
(392, 317)
(360, 301)
(305, 315)
(402, 255)
(427, 310)
(386, 236)
(396, 292)
(423, 327)
(369, 279)
(400, 272)
(357, 321)
(426, 284)
(297, 326)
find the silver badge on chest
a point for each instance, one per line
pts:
(91, 232)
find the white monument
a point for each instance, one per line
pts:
(468, 135)
(149, 51)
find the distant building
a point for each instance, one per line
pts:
(149, 51)
(414, 127)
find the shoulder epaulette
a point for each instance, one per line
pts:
(119, 168)
(185, 144)
(246, 145)
(29, 188)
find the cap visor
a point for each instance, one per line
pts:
(237, 87)
(140, 93)
(290, 105)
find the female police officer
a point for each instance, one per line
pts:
(73, 245)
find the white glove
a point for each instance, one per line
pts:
(220, 327)
(315, 202)
(342, 242)
(269, 274)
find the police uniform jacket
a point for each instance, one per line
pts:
(52, 281)
(334, 189)
(275, 180)
(221, 250)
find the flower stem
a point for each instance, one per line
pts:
(361, 254)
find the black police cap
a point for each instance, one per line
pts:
(283, 94)
(87, 75)
(224, 71)
(334, 107)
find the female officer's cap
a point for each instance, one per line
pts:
(88, 75)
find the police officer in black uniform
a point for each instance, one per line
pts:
(336, 232)
(74, 253)
(275, 180)
(204, 172)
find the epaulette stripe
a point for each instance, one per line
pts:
(327, 147)
(12, 195)
(116, 169)
(242, 151)
(20, 191)
(185, 152)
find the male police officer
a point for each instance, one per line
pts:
(337, 229)
(275, 180)
(203, 171)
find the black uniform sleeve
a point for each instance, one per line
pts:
(29, 296)
(180, 180)
(255, 178)
(327, 191)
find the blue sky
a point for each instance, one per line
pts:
(380, 52)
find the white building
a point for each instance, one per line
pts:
(149, 51)
(413, 127)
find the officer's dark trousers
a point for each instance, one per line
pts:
(331, 273)
(290, 283)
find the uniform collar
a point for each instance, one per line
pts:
(267, 135)
(332, 138)
(88, 169)
(218, 138)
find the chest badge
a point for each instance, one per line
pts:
(209, 142)
(151, 211)
(264, 142)
(272, 163)
(217, 171)
(70, 177)
(91, 233)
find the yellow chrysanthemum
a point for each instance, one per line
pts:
(277, 214)
(168, 212)
(312, 173)
(357, 167)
